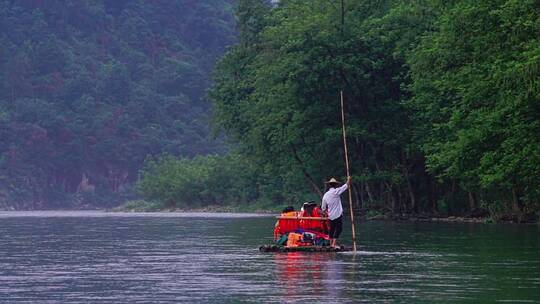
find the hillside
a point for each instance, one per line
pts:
(90, 89)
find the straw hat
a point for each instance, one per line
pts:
(332, 181)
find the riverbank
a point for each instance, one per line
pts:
(145, 206)
(430, 218)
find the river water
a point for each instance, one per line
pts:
(96, 257)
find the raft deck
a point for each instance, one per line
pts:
(277, 248)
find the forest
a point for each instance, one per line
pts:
(90, 89)
(442, 104)
(189, 104)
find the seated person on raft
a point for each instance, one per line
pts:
(295, 221)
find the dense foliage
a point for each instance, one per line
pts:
(88, 89)
(203, 180)
(442, 100)
(477, 101)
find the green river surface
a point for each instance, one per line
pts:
(98, 257)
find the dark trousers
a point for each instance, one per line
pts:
(335, 227)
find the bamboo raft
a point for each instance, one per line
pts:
(277, 248)
(293, 223)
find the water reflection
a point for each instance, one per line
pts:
(334, 280)
(309, 275)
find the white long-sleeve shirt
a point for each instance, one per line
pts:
(332, 202)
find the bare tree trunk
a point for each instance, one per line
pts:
(516, 205)
(357, 196)
(433, 194)
(370, 196)
(472, 201)
(308, 177)
(400, 200)
(411, 193)
(515, 200)
(391, 196)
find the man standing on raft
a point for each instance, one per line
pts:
(331, 203)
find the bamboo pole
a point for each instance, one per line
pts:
(348, 171)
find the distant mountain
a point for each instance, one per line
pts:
(89, 89)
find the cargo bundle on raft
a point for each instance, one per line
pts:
(305, 230)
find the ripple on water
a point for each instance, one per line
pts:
(87, 257)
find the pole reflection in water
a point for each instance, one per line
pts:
(333, 283)
(304, 275)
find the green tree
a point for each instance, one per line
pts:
(476, 92)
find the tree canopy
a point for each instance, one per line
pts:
(89, 89)
(441, 100)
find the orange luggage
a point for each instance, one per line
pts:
(294, 240)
